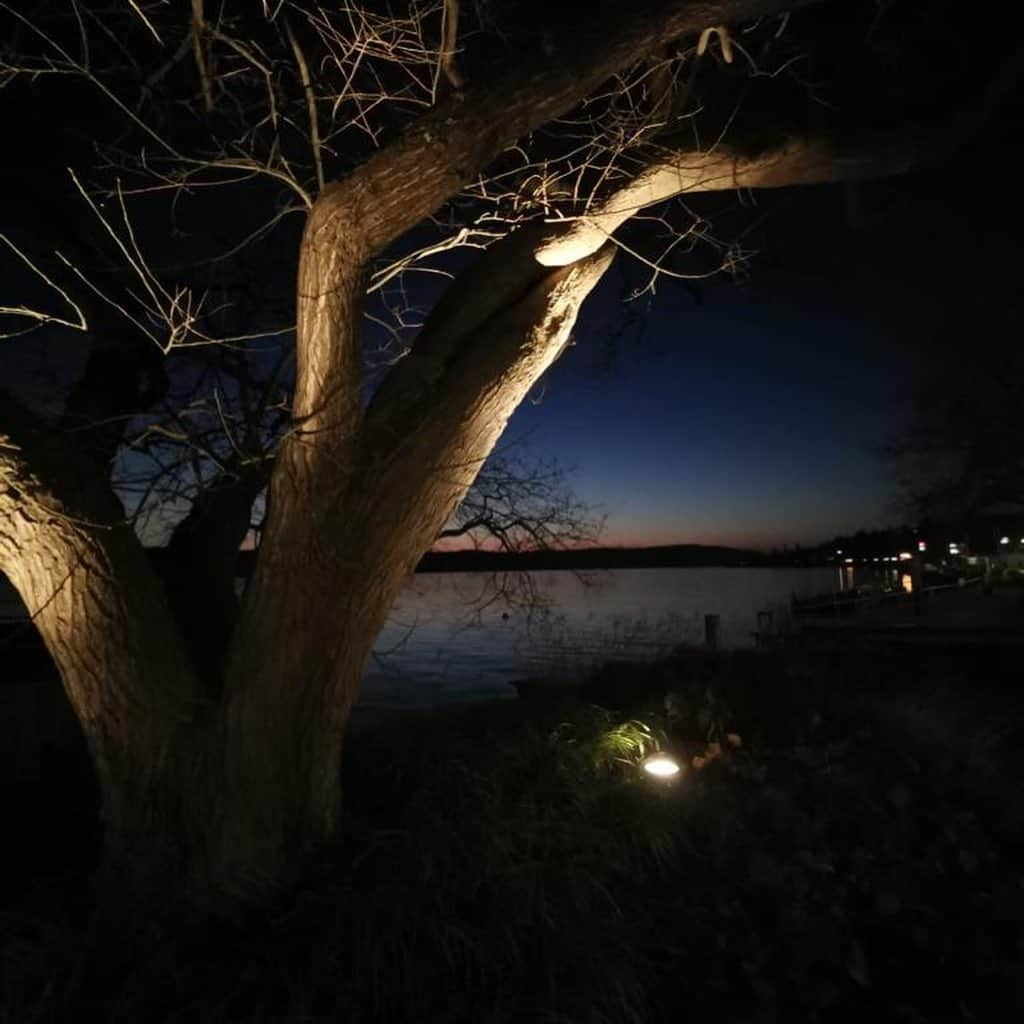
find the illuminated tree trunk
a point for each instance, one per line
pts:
(223, 796)
(101, 612)
(219, 769)
(345, 541)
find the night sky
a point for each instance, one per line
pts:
(753, 414)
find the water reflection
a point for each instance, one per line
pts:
(440, 645)
(875, 579)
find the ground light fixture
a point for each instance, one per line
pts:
(661, 766)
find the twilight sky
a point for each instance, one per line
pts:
(753, 417)
(750, 414)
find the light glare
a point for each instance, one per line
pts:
(661, 765)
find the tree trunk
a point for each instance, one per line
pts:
(92, 594)
(354, 540)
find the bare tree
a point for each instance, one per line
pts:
(961, 456)
(384, 147)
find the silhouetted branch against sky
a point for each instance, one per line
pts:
(436, 128)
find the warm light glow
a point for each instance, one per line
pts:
(849, 561)
(905, 556)
(661, 765)
(922, 546)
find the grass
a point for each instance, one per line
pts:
(850, 850)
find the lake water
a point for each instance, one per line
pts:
(444, 643)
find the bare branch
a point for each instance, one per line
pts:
(38, 317)
(446, 58)
(307, 88)
(198, 29)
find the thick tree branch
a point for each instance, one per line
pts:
(445, 149)
(200, 564)
(437, 417)
(94, 597)
(794, 162)
(791, 162)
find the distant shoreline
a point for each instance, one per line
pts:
(672, 556)
(676, 556)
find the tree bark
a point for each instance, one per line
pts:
(292, 683)
(92, 594)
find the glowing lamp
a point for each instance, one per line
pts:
(905, 556)
(661, 766)
(1004, 540)
(922, 546)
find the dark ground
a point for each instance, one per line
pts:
(845, 844)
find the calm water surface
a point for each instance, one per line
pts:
(440, 645)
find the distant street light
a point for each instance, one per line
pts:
(1004, 540)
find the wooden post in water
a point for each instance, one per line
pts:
(711, 631)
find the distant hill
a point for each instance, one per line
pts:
(667, 556)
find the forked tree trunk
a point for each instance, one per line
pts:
(344, 552)
(221, 797)
(222, 791)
